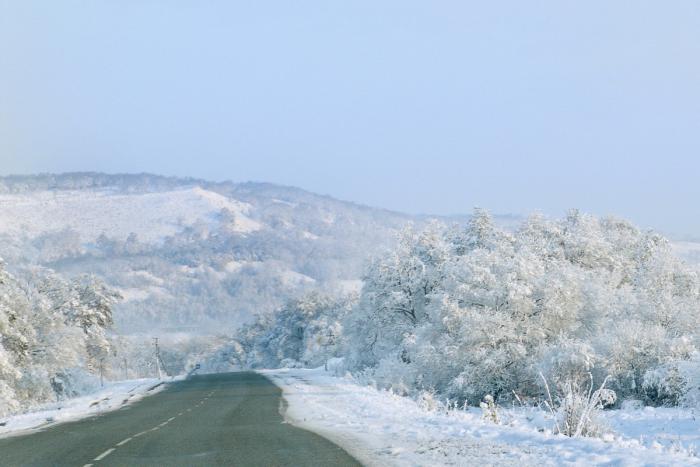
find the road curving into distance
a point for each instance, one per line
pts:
(229, 419)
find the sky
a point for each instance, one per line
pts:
(418, 106)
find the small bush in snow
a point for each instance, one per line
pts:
(579, 406)
(676, 382)
(427, 401)
(488, 406)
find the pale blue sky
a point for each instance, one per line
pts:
(420, 106)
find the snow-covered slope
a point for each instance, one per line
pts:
(185, 253)
(151, 216)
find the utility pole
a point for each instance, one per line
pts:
(102, 370)
(126, 372)
(155, 342)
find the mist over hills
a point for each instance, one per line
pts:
(195, 256)
(190, 255)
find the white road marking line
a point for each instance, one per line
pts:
(180, 414)
(122, 443)
(87, 465)
(163, 424)
(104, 454)
(189, 410)
(140, 434)
(171, 419)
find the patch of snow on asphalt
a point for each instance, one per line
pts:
(381, 428)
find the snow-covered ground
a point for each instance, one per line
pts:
(673, 429)
(113, 396)
(91, 213)
(381, 428)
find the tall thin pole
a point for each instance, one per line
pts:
(102, 370)
(155, 341)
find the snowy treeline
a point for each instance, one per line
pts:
(53, 336)
(477, 310)
(305, 332)
(87, 181)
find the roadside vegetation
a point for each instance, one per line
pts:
(579, 313)
(53, 337)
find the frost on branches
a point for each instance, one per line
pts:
(306, 332)
(465, 312)
(52, 336)
(480, 310)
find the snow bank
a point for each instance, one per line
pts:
(670, 428)
(381, 428)
(113, 396)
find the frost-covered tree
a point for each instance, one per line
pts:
(476, 310)
(480, 310)
(305, 332)
(52, 331)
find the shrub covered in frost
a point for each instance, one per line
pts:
(305, 332)
(488, 406)
(52, 336)
(578, 408)
(481, 310)
(474, 310)
(676, 382)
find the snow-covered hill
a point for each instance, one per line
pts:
(190, 254)
(90, 213)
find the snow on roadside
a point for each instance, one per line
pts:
(381, 428)
(113, 396)
(671, 428)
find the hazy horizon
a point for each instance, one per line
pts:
(413, 107)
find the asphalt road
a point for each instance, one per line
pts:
(227, 419)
